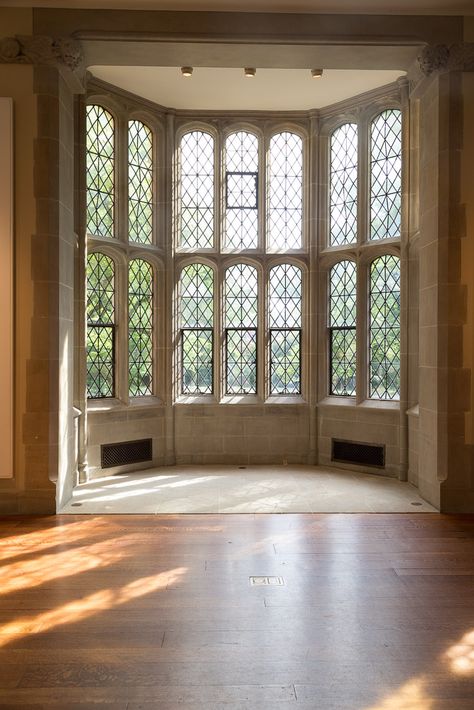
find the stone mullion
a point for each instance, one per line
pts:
(363, 236)
(311, 360)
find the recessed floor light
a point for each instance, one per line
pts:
(76, 505)
(415, 503)
(265, 581)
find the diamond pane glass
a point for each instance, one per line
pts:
(342, 328)
(343, 185)
(240, 296)
(100, 326)
(241, 361)
(241, 217)
(384, 336)
(196, 216)
(197, 316)
(285, 361)
(100, 179)
(197, 361)
(385, 175)
(140, 328)
(196, 289)
(285, 296)
(285, 194)
(140, 183)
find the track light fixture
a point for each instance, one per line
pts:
(186, 71)
(316, 73)
(250, 71)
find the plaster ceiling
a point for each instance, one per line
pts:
(227, 89)
(376, 7)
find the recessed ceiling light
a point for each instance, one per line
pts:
(316, 73)
(250, 71)
(186, 71)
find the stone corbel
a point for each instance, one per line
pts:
(64, 53)
(441, 57)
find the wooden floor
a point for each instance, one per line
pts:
(129, 612)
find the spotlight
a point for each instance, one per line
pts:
(316, 73)
(250, 71)
(186, 71)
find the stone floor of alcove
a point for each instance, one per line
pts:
(253, 489)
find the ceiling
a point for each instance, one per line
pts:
(227, 89)
(376, 7)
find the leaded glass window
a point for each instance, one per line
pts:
(197, 318)
(140, 328)
(386, 175)
(384, 335)
(196, 189)
(140, 183)
(342, 328)
(240, 299)
(343, 185)
(285, 192)
(284, 311)
(100, 177)
(241, 191)
(100, 326)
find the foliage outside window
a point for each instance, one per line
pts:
(197, 335)
(285, 329)
(285, 199)
(241, 303)
(384, 336)
(342, 328)
(343, 185)
(241, 191)
(140, 328)
(196, 190)
(100, 326)
(386, 175)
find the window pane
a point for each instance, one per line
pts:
(385, 175)
(384, 375)
(285, 192)
(196, 310)
(197, 190)
(100, 326)
(241, 225)
(342, 328)
(240, 300)
(343, 188)
(140, 183)
(140, 328)
(285, 329)
(100, 156)
(285, 296)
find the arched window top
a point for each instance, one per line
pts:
(285, 284)
(241, 295)
(100, 171)
(384, 308)
(196, 190)
(140, 182)
(196, 296)
(385, 174)
(343, 185)
(241, 191)
(285, 198)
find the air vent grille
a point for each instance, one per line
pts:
(126, 452)
(358, 453)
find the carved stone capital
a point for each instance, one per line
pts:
(441, 57)
(39, 49)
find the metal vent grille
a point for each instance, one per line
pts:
(126, 452)
(358, 453)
